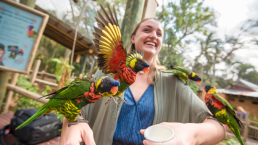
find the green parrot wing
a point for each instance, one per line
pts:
(54, 93)
(229, 108)
(183, 69)
(181, 75)
(77, 88)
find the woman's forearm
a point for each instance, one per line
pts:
(208, 132)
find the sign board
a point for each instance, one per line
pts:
(21, 28)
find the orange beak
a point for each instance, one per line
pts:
(146, 70)
(114, 90)
(198, 82)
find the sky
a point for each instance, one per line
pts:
(232, 14)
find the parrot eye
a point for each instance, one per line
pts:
(142, 63)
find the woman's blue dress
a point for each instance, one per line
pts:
(133, 117)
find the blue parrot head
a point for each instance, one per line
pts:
(108, 84)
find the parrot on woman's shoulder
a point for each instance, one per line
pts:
(184, 73)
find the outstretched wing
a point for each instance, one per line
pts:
(112, 55)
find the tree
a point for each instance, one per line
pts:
(181, 19)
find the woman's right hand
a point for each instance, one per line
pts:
(75, 134)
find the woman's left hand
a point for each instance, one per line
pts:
(184, 134)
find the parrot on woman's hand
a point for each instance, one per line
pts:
(112, 57)
(70, 99)
(184, 73)
(222, 111)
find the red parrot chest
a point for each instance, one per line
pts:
(128, 75)
(210, 100)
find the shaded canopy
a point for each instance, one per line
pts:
(64, 35)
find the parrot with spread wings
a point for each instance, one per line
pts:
(70, 99)
(112, 57)
(184, 73)
(222, 111)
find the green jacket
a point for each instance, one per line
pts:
(173, 101)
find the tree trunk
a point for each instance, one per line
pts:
(133, 15)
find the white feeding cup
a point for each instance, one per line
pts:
(159, 133)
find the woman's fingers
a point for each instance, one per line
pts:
(87, 136)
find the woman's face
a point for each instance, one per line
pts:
(148, 37)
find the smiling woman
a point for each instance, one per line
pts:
(152, 99)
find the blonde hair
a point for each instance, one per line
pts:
(155, 65)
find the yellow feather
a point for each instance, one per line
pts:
(110, 33)
(132, 63)
(105, 44)
(106, 40)
(105, 33)
(113, 31)
(105, 49)
(98, 82)
(119, 33)
(193, 74)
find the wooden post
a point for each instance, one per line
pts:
(10, 93)
(246, 127)
(35, 71)
(83, 64)
(133, 15)
(4, 76)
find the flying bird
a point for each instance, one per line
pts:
(112, 57)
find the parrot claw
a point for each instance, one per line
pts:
(77, 121)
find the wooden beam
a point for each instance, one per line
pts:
(35, 71)
(26, 93)
(46, 82)
(57, 23)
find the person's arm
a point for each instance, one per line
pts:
(209, 132)
(76, 133)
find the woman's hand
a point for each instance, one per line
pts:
(75, 134)
(184, 134)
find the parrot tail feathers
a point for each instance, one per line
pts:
(36, 115)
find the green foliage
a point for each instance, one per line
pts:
(230, 141)
(61, 66)
(23, 101)
(45, 92)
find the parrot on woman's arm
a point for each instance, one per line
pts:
(222, 111)
(70, 99)
(184, 73)
(112, 57)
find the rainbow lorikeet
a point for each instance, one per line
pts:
(70, 99)
(223, 111)
(184, 73)
(112, 56)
